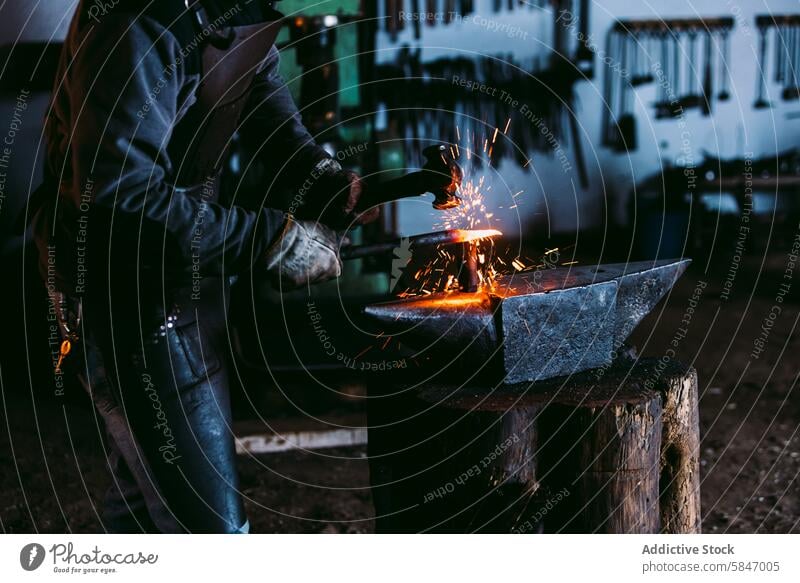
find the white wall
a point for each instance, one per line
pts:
(35, 20)
(553, 199)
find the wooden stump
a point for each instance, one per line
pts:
(680, 451)
(611, 450)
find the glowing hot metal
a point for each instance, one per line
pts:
(448, 237)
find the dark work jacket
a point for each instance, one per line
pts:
(127, 77)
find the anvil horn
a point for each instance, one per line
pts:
(544, 323)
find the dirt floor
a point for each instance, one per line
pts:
(749, 406)
(53, 472)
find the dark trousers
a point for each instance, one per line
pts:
(158, 376)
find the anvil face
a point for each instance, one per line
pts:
(541, 324)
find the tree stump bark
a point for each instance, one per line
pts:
(610, 450)
(680, 451)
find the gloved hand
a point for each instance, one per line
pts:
(333, 197)
(305, 252)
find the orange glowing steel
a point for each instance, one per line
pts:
(453, 302)
(468, 222)
(467, 235)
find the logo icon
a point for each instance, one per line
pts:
(402, 256)
(31, 556)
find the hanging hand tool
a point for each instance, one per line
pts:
(449, 11)
(761, 80)
(782, 45)
(608, 90)
(708, 77)
(641, 69)
(636, 69)
(664, 93)
(392, 24)
(626, 122)
(584, 56)
(577, 148)
(430, 8)
(791, 57)
(675, 86)
(417, 18)
(692, 98)
(725, 65)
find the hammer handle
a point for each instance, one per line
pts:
(403, 187)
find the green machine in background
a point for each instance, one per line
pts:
(320, 50)
(321, 61)
(326, 56)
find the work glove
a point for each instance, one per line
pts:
(305, 252)
(334, 196)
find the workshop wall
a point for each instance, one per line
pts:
(553, 200)
(735, 127)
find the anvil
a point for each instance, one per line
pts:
(538, 324)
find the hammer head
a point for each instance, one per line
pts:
(443, 176)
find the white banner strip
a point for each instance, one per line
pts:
(390, 558)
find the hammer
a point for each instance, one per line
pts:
(441, 175)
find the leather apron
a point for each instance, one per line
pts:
(230, 58)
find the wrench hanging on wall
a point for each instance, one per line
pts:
(680, 51)
(724, 65)
(784, 31)
(761, 76)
